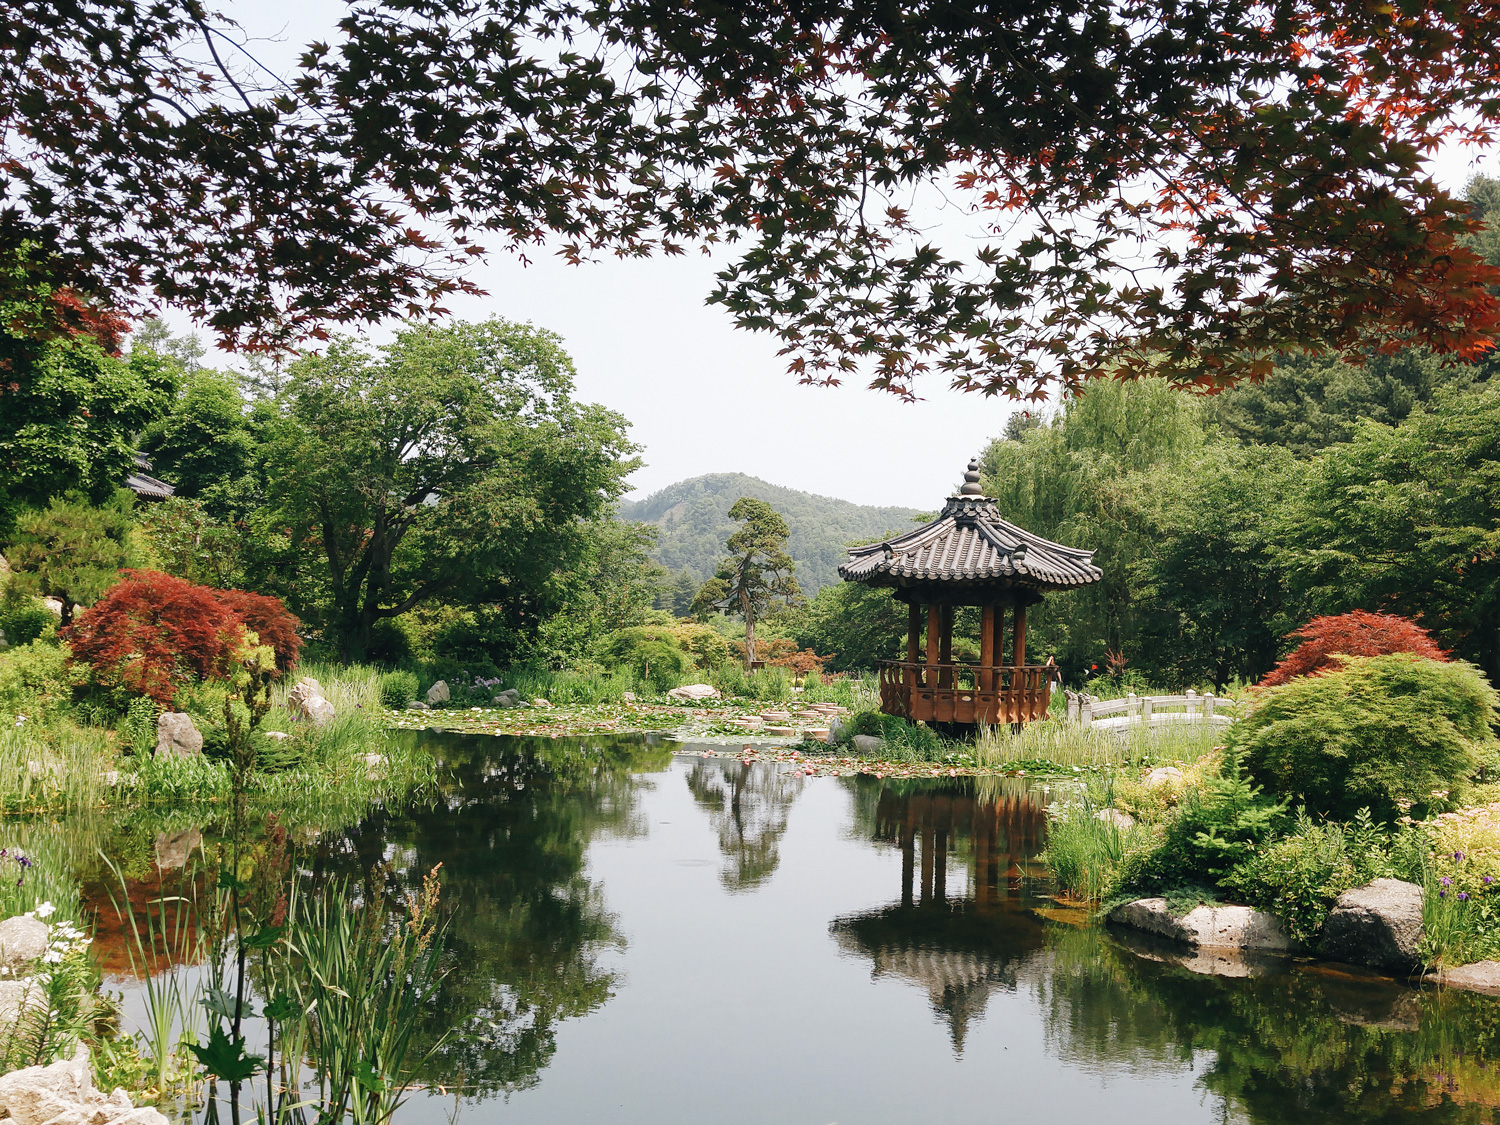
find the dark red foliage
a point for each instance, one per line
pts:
(151, 633)
(273, 623)
(1351, 634)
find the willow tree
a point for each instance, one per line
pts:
(757, 575)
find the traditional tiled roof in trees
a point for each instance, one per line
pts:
(969, 543)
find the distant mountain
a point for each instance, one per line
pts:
(693, 516)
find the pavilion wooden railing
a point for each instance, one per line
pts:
(965, 693)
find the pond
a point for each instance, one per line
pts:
(643, 936)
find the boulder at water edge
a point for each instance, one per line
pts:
(868, 743)
(177, 737)
(507, 699)
(1481, 976)
(1206, 927)
(1379, 925)
(438, 693)
(64, 1094)
(694, 691)
(22, 941)
(306, 701)
(417, 705)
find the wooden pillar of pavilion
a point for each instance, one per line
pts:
(913, 644)
(987, 648)
(934, 640)
(1020, 686)
(945, 647)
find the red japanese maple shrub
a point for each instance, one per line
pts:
(273, 623)
(1351, 634)
(151, 633)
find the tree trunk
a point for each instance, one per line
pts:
(749, 633)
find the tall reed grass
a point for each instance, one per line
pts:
(1072, 745)
(52, 765)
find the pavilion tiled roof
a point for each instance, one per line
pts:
(147, 487)
(969, 542)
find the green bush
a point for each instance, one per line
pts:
(397, 689)
(1212, 831)
(651, 652)
(1381, 732)
(24, 618)
(34, 678)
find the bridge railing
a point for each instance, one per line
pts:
(1152, 710)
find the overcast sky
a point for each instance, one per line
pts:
(701, 395)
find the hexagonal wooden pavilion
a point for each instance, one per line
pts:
(968, 556)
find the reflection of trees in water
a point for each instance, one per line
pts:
(526, 929)
(747, 806)
(1300, 1045)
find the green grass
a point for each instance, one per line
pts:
(52, 765)
(1069, 745)
(1083, 852)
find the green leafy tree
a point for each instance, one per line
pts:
(73, 550)
(1211, 594)
(1089, 140)
(1406, 520)
(450, 467)
(70, 407)
(187, 542)
(856, 625)
(757, 576)
(205, 439)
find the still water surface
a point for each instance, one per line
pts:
(642, 937)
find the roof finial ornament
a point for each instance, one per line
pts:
(971, 480)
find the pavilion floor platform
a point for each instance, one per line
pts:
(965, 693)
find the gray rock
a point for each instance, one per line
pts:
(693, 692)
(64, 1094)
(174, 848)
(508, 698)
(306, 701)
(1379, 925)
(177, 737)
(1206, 927)
(417, 705)
(22, 941)
(868, 744)
(837, 729)
(540, 702)
(1117, 817)
(1163, 775)
(438, 693)
(1481, 976)
(627, 697)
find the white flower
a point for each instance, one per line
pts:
(46, 910)
(52, 956)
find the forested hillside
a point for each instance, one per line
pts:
(693, 517)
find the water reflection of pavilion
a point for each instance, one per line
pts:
(959, 948)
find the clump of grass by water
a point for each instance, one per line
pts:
(349, 687)
(1083, 849)
(1071, 745)
(53, 765)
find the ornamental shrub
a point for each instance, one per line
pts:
(397, 689)
(271, 621)
(23, 617)
(1351, 634)
(151, 634)
(651, 652)
(1383, 732)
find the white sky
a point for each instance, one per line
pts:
(702, 396)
